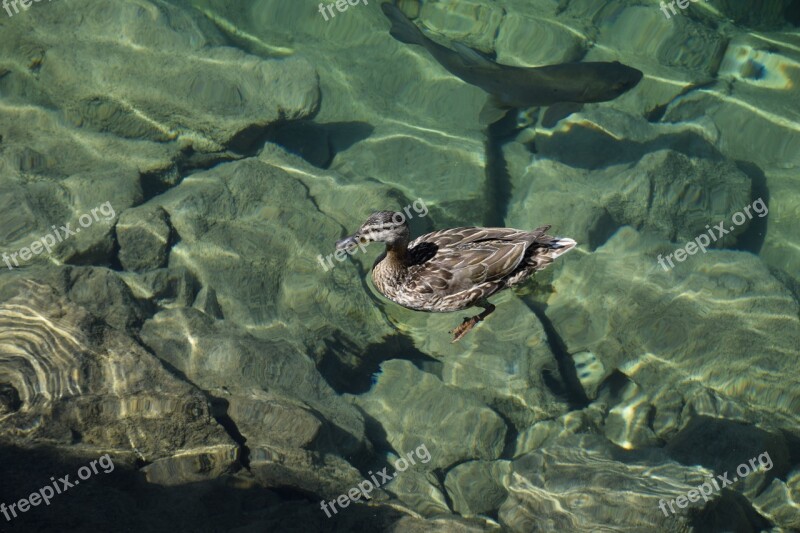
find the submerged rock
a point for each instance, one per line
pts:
(421, 491)
(295, 428)
(53, 175)
(257, 233)
(216, 355)
(143, 236)
(206, 95)
(679, 330)
(503, 361)
(587, 191)
(250, 328)
(780, 501)
(452, 424)
(589, 370)
(585, 484)
(478, 487)
(69, 380)
(327, 475)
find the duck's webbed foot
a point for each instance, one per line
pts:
(471, 322)
(464, 327)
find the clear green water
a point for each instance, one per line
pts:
(182, 350)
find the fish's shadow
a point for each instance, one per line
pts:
(591, 149)
(315, 142)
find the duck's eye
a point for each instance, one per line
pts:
(362, 239)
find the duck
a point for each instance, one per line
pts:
(452, 269)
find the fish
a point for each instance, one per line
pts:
(564, 84)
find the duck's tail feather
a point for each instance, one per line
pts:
(548, 249)
(561, 245)
(402, 28)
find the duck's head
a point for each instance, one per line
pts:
(384, 226)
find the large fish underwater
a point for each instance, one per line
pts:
(567, 84)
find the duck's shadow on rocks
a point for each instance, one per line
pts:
(346, 372)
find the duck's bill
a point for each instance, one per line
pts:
(348, 243)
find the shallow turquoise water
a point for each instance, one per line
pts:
(182, 349)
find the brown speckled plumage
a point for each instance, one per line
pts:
(453, 269)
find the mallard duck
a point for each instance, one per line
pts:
(452, 269)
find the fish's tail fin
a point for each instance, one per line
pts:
(402, 28)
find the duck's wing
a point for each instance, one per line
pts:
(465, 258)
(455, 236)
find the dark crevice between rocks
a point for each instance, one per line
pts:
(722, 445)
(657, 113)
(374, 431)
(441, 475)
(791, 283)
(729, 512)
(252, 139)
(219, 410)
(569, 386)
(187, 162)
(218, 407)
(752, 239)
(97, 256)
(173, 239)
(310, 197)
(603, 229)
(613, 388)
(296, 494)
(350, 369)
(512, 432)
(113, 261)
(157, 182)
(191, 161)
(316, 143)
(373, 461)
(332, 439)
(793, 445)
